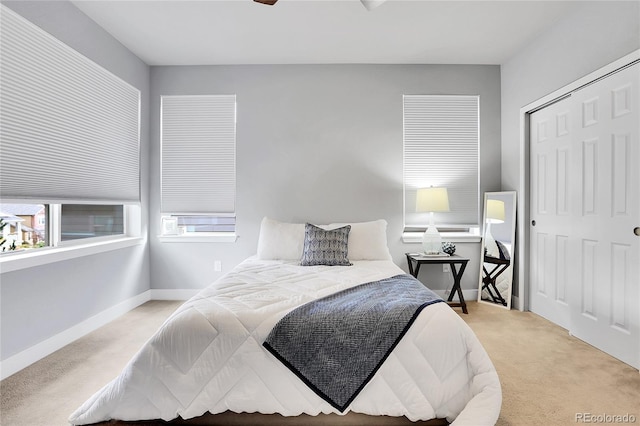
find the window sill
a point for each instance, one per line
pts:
(454, 237)
(43, 256)
(212, 237)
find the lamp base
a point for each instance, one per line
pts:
(432, 241)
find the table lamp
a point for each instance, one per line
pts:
(495, 214)
(432, 200)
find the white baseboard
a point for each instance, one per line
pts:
(172, 294)
(23, 359)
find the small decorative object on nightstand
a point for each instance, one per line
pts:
(448, 248)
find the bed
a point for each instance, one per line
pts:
(208, 357)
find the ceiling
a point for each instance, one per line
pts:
(212, 32)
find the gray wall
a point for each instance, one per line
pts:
(40, 302)
(595, 35)
(319, 143)
(315, 143)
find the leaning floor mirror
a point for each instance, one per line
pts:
(497, 248)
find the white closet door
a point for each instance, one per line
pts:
(605, 298)
(585, 206)
(550, 212)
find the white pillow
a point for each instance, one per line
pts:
(367, 240)
(285, 241)
(280, 240)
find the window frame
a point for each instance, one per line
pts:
(76, 81)
(200, 236)
(58, 250)
(412, 232)
(200, 107)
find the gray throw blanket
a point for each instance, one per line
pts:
(336, 344)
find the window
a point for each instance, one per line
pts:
(31, 226)
(79, 221)
(198, 164)
(23, 226)
(441, 149)
(70, 142)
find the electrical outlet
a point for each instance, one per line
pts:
(446, 268)
(217, 266)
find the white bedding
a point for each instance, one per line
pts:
(208, 356)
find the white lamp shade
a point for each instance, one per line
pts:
(371, 4)
(432, 200)
(495, 211)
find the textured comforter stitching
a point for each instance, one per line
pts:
(226, 385)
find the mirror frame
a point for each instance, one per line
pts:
(508, 216)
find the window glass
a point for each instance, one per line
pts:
(87, 221)
(188, 224)
(23, 226)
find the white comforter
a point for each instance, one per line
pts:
(208, 356)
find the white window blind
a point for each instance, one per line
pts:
(199, 155)
(441, 149)
(69, 129)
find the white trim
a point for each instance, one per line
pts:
(587, 79)
(10, 262)
(523, 193)
(173, 294)
(23, 359)
(220, 237)
(454, 237)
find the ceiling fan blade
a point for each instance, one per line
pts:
(269, 2)
(371, 4)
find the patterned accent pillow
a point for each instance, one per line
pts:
(323, 247)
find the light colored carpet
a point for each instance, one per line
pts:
(547, 376)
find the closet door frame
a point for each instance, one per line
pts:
(522, 301)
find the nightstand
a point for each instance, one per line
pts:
(456, 263)
(489, 277)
